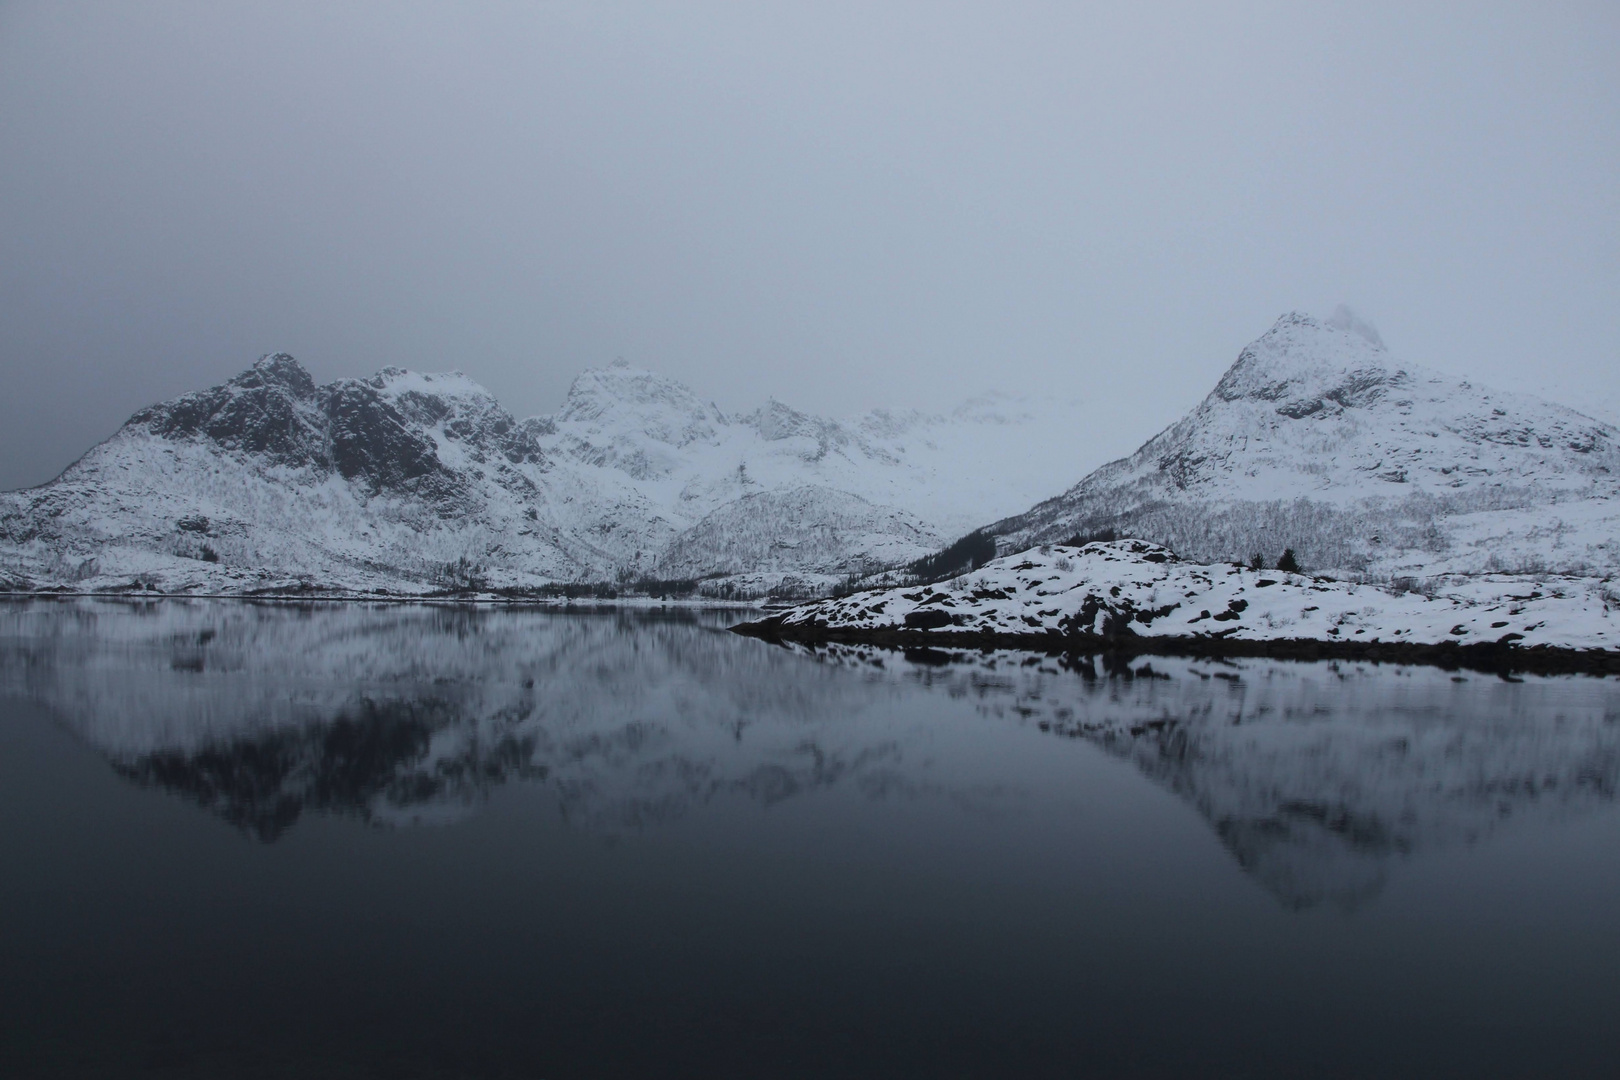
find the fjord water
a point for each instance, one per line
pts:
(349, 840)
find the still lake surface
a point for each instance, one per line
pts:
(393, 841)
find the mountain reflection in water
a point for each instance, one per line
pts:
(1318, 778)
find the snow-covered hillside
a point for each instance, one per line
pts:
(1133, 589)
(1318, 439)
(408, 482)
(268, 481)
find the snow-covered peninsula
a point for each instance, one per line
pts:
(1139, 597)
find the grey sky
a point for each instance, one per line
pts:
(839, 205)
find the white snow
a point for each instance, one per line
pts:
(1317, 438)
(1147, 589)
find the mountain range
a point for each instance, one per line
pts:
(410, 483)
(1316, 439)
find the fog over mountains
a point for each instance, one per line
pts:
(1317, 438)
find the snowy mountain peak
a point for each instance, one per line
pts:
(278, 369)
(1304, 366)
(777, 421)
(269, 409)
(624, 398)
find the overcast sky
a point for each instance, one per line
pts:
(843, 206)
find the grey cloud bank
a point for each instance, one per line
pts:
(842, 206)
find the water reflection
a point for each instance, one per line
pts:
(1318, 778)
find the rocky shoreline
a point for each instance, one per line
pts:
(1130, 598)
(939, 646)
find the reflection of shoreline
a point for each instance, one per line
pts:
(1486, 657)
(401, 715)
(1318, 778)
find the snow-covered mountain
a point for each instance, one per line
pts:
(407, 482)
(675, 487)
(1319, 439)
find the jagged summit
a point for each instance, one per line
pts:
(278, 369)
(1319, 439)
(268, 479)
(267, 409)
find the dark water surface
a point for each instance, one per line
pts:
(272, 841)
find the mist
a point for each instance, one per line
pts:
(839, 205)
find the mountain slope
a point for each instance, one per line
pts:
(1318, 439)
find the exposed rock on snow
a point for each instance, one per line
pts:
(1319, 440)
(1316, 439)
(1131, 591)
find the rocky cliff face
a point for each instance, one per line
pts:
(1317, 438)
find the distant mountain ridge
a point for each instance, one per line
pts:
(409, 483)
(1318, 439)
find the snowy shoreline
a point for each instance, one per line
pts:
(1131, 597)
(562, 604)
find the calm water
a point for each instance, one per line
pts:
(414, 842)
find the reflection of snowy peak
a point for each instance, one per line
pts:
(1319, 778)
(410, 482)
(400, 715)
(1318, 439)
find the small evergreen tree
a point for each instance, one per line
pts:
(1288, 564)
(969, 553)
(1256, 562)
